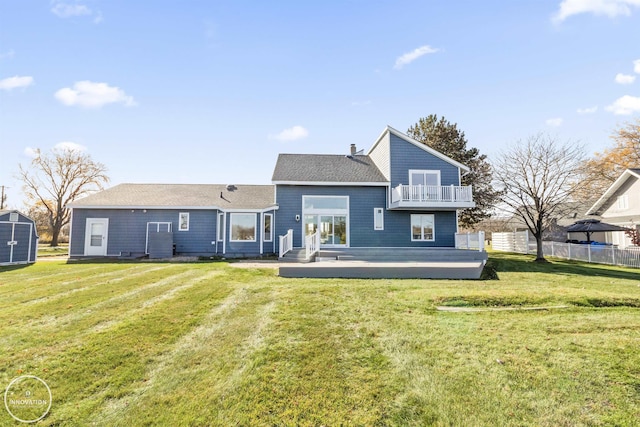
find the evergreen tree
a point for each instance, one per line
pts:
(446, 138)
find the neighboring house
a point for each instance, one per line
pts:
(18, 238)
(402, 193)
(620, 205)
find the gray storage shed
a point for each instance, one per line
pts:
(18, 238)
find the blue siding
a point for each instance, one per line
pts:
(22, 252)
(406, 156)
(127, 232)
(362, 201)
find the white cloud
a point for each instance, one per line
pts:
(15, 82)
(624, 79)
(66, 10)
(589, 110)
(93, 95)
(625, 105)
(291, 134)
(609, 8)
(636, 66)
(409, 57)
(360, 103)
(31, 152)
(8, 55)
(69, 146)
(555, 122)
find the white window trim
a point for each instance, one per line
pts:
(376, 226)
(255, 228)
(220, 232)
(180, 216)
(344, 212)
(265, 237)
(422, 228)
(424, 172)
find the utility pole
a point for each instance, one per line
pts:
(2, 198)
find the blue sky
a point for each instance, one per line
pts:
(212, 91)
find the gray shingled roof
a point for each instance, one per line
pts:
(181, 196)
(326, 168)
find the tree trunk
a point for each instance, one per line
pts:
(55, 233)
(539, 251)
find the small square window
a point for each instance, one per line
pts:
(13, 217)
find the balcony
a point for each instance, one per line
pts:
(433, 197)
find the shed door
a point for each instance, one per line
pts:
(22, 242)
(96, 236)
(15, 242)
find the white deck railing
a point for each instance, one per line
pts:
(432, 193)
(286, 243)
(312, 244)
(472, 241)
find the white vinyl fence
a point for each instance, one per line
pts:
(599, 254)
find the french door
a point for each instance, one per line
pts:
(333, 229)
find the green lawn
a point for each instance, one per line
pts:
(44, 250)
(201, 344)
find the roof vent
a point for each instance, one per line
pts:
(353, 149)
(231, 187)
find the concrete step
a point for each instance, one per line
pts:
(297, 255)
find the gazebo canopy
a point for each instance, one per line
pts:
(589, 226)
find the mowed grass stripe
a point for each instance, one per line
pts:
(120, 277)
(208, 362)
(18, 291)
(73, 326)
(107, 364)
(96, 290)
(312, 368)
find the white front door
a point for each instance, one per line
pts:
(95, 241)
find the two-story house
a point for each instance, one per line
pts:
(400, 194)
(620, 205)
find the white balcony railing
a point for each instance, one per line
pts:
(430, 195)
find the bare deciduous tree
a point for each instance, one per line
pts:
(538, 176)
(56, 179)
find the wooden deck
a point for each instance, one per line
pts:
(388, 263)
